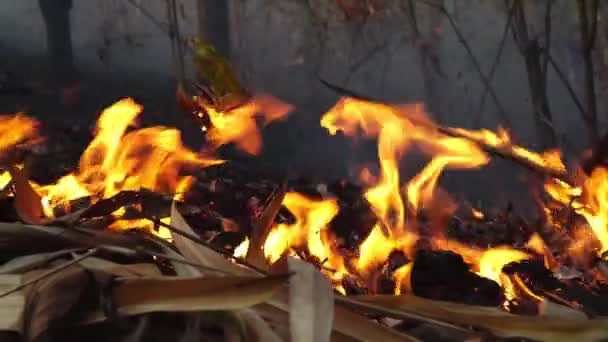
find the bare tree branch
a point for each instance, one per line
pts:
(588, 28)
(501, 46)
(476, 64)
(562, 76)
(531, 51)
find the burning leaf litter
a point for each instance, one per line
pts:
(389, 239)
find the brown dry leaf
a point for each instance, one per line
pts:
(200, 254)
(28, 203)
(259, 233)
(50, 299)
(493, 319)
(311, 303)
(137, 296)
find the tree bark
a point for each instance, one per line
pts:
(56, 16)
(531, 51)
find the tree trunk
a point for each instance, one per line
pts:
(214, 24)
(531, 51)
(56, 15)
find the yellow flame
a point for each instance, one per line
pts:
(403, 279)
(239, 125)
(241, 250)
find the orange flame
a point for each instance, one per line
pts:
(118, 160)
(239, 125)
(15, 129)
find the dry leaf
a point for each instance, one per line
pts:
(550, 309)
(28, 203)
(121, 270)
(29, 262)
(51, 299)
(362, 328)
(11, 306)
(137, 296)
(200, 254)
(349, 325)
(254, 328)
(311, 303)
(259, 233)
(498, 322)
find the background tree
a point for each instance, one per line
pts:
(56, 16)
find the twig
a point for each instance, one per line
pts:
(201, 242)
(501, 47)
(182, 261)
(164, 27)
(49, 272)
(176, 41)
(566, 83)
(531, 51)
(399, 314)
(588, 33)
(506, 153)
(465, 44)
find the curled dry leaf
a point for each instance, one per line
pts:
(200, 254)
(498, 322)
(28, 203)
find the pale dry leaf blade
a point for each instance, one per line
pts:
(29, 262)
(11, 306)
(144, 295)
(496, 321)
(311, 303)
(200, 254)
(347, 323)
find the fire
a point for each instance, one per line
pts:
(376, 248)
(595, 196)
(493, 260)
(239, 125)
(241, 250)
(309, 232)
(402, 278)
(15, 129)
(124, 157)
(118, 160)
(589, 200)
(502, 140)
(490, 266)
(398, 127)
